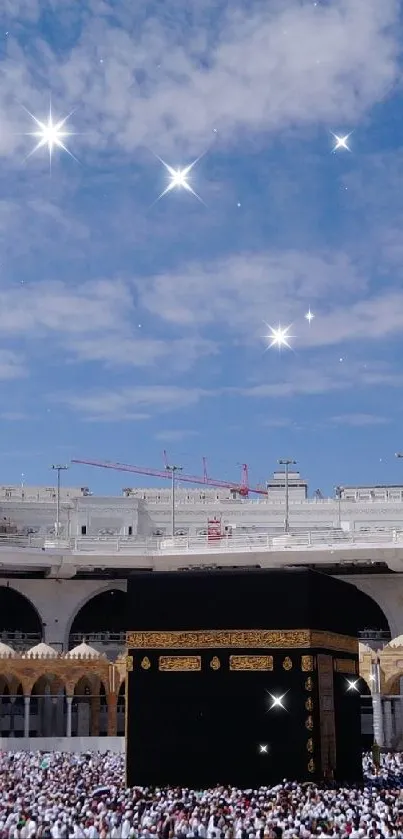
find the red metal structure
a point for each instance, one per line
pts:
(242, 488)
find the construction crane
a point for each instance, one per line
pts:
(242, 489)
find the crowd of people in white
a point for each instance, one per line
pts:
(59, 796)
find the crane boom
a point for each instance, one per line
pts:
(242, 488)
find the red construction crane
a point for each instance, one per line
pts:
(242, 488)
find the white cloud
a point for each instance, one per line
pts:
(300, 380)
(175, 435)
(119, 350)
(316, 379)
(11, 365)
(305, 64)
(359, 420)
(132, 403)
(240, 292)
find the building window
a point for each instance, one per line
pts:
(130, 530)
(83, 530)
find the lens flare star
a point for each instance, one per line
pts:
(353, 685)
(179, 179)
(341, 142)
(277, 701)
(309, 316)
(51, 134)
(279, 337)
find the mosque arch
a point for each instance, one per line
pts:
(121, 710)
(103, 612)
(47, 706)
(18, 615)
(371, 616)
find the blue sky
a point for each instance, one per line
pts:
(128, 327)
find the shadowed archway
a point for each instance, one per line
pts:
(18, 617)
(371, 618)
(103, 615)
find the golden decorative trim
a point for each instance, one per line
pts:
(311, 766)
(129, 663)
(215, 663)
(177, 663)
(346, 665)
(309, 745)
(309, 683)
(307, 663)
(327, 720)
(248, 638)
(287, 663)
(251, 662)
(309, 723)
(146, 663)
(309, 704)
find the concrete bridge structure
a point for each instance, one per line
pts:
(58, 578)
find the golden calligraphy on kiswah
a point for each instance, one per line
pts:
(216, 639)
(241, 639)
(251, 662)
(179, 663)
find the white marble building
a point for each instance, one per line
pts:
(148, 512)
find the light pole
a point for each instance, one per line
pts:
(58, 468)
(173, 470)
(338, 491)
(287, 463)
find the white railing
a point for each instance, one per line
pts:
(313, 539)
(245, 542)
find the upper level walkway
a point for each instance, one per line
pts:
(313, 547)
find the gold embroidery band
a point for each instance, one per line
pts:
(345, 665)
(179, 663)
(251, 662)
(242, 639)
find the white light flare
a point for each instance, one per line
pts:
(50, 134)
(309, 316)
(279, 337)
(277, 701)
(179, 179)
(353, 685)
(263, 749)
(341, 142)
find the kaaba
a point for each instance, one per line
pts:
(242, 678)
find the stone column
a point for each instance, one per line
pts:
(69, 700)
(95, 711)
(379, 733)
(27, 703)
(12, 714)
(112, 715)
(388, 723)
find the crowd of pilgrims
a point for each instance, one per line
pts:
(58, 796)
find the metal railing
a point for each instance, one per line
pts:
(245, 542)
(105, 638)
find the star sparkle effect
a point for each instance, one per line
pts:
(277, 701)
(179, 179)
(341, 142)
(279, 337)
(51, 134)
(309, 316)
(353, 685)
(263, 749)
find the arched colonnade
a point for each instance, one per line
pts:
(45, 694)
